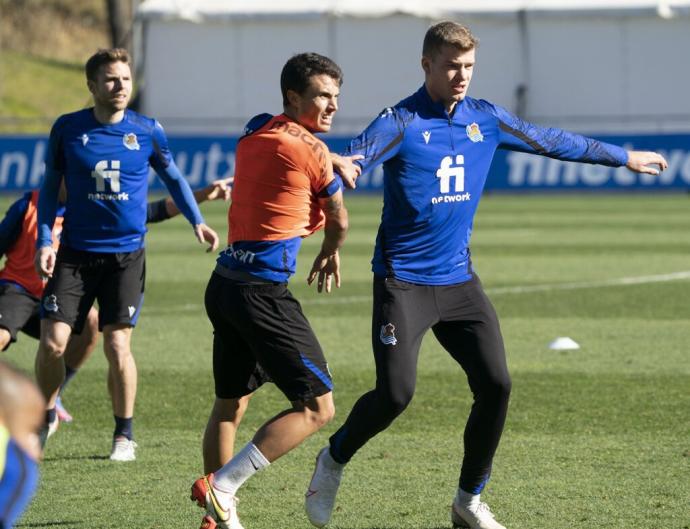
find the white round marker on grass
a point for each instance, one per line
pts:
(563, 343)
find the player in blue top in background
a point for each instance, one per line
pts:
(21, 287)
(436, 147)
(104, 154)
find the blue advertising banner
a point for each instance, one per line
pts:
(203, 159)
(514, 171)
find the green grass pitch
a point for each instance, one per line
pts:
(598, 437)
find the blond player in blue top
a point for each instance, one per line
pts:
(104, 154)
(436, 147)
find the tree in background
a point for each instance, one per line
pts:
(120, 23)
(43, 46)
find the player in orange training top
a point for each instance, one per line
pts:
(284, 190)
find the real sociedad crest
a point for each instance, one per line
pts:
(387, 334)
(130, 141)
(50, 303)
(473, 133)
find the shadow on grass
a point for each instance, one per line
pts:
(390, 527)
(75, 458)
(69, 523)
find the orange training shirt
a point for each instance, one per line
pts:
(279, 171)
(19, 266)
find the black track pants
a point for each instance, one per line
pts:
(465, 323)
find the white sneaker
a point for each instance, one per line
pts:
(320, 497)
(474, 517)
(123, 450)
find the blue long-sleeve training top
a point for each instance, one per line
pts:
(106, 167)
(435, 166)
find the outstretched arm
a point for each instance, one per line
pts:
(523, 136)
(346, 167)
(218, 190)
(326, 265)
(519, 135)
(640, 161)
(165, 208)
(380, 141)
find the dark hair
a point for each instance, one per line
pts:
(301, 67)
(448, 33)
(104, 56)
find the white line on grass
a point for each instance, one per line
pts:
(524, 289)
(621, 281)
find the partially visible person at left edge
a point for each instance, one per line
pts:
(104, 154)
(21, 415)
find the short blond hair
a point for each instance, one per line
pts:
(448, 33)
(104, 56)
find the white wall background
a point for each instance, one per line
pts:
(588, 71)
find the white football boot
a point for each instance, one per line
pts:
(473, 517)
(320, 496)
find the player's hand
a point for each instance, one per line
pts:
(326, 268)
(347, 168)
(218, 190)
(205, 234)
(44, 261)
(639, 161)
